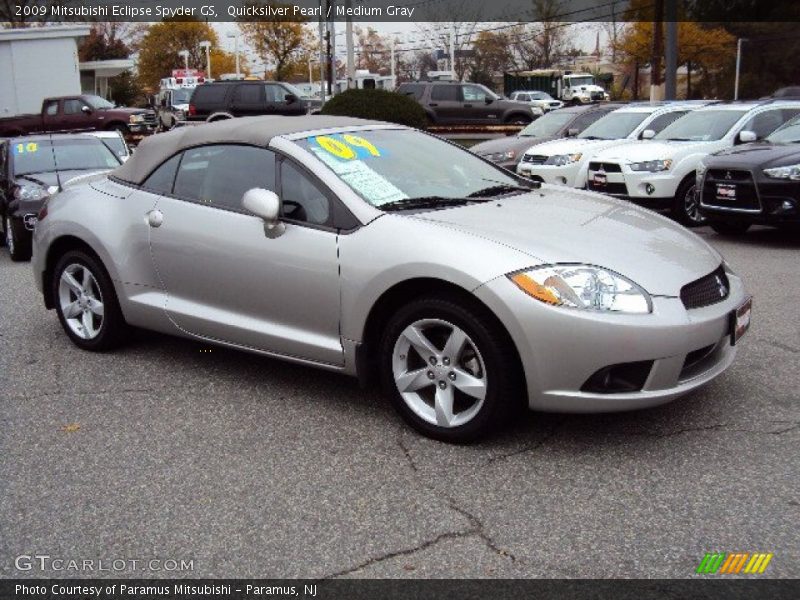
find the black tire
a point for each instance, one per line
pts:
(113, 330)
(732, 228)
(505, 383)
(122, 128)
(682, 212)
(17, 239)
(518, 120)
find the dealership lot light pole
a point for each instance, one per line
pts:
(738, 67)
(185, 55)
(207, 45)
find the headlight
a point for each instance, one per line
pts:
(788, 172)
(537, 110)
(30, 192)
(583, 286)
(653, 166)
(561, 160)
(497, 157)
(137, 118)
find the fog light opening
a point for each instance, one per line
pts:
(649, 188)
(619, 379)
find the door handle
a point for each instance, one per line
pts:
(155, 218)
(468, 106)
(433, 104)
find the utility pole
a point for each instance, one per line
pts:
(391, 58)
(348, 34)
(738, 67)
(658, 52)
(322, 95)
(671, 50)
(453, 50)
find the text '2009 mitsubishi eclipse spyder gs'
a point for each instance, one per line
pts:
(364, 247)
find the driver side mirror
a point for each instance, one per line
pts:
(86, 110)
(267, 206)
(648, 134)
(572, 132)
(290, 98)
(489, 100)
(746, 136)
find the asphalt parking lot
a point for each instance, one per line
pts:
(249, 467)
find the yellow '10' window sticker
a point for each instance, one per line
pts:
(347, 146)
(30, 148)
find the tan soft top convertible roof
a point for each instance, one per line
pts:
(257, 131)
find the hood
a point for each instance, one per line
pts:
(553, 225)
(655, 150)
(517, 143)
(756, 155)
(572, 146)
(127, 110)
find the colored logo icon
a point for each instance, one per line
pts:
(731, 563)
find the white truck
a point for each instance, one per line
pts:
(571, 88)
(172, 101)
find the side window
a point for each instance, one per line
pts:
(661, 121)
(248, 94)
(445, 93)
(220, 175)
(160, 180)
(51, 108)
(3, 165)
(764, 122)
(302, 199)
(72, 106)
(581, 122)
(275, 93)
(408, 89)
(472, 93)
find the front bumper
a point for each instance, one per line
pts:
(756, 198)
(569, 175)
(141, 128)
(562, 348)
(653, 190)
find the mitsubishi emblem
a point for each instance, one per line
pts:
(728, 175)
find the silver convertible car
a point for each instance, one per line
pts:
(376, 249)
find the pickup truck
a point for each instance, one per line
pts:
(80, 113)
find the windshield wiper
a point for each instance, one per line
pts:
(498, 190)
(679, 139)
(422, 202)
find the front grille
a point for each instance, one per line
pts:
(617, 189)
(597, 95)
(741, 181)
(534, 159)
(604, 166)
(554, 104)
(708, 290)
(150, 117)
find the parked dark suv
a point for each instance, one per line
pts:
(448, 102)
(228, 99)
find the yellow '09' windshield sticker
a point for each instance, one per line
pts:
(347, 146)
(28, 148)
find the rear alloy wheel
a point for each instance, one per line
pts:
(86, 302)
(730, 227)
(449, 374)
(19, 248)
(686, 207)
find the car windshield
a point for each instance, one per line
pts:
(576, 81)
(117, 145)
(701, 126)
(97, 102)
(787, 134)
(391, 166)
(614, 126)
(45, 156)
(548, 125)
(181, 95)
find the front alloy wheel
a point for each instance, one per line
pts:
(80, 301)
(687, 205)
(449, 368)
(445, 387)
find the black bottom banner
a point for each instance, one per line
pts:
(353, 589)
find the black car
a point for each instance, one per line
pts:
(454, 103)
(34, 167)
(756, 183)
(564, 122)
(228, 99)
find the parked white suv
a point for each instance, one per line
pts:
(566, 161)
(660, 173)
(541, 100)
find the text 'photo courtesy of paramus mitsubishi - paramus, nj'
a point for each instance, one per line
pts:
(364, 247)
